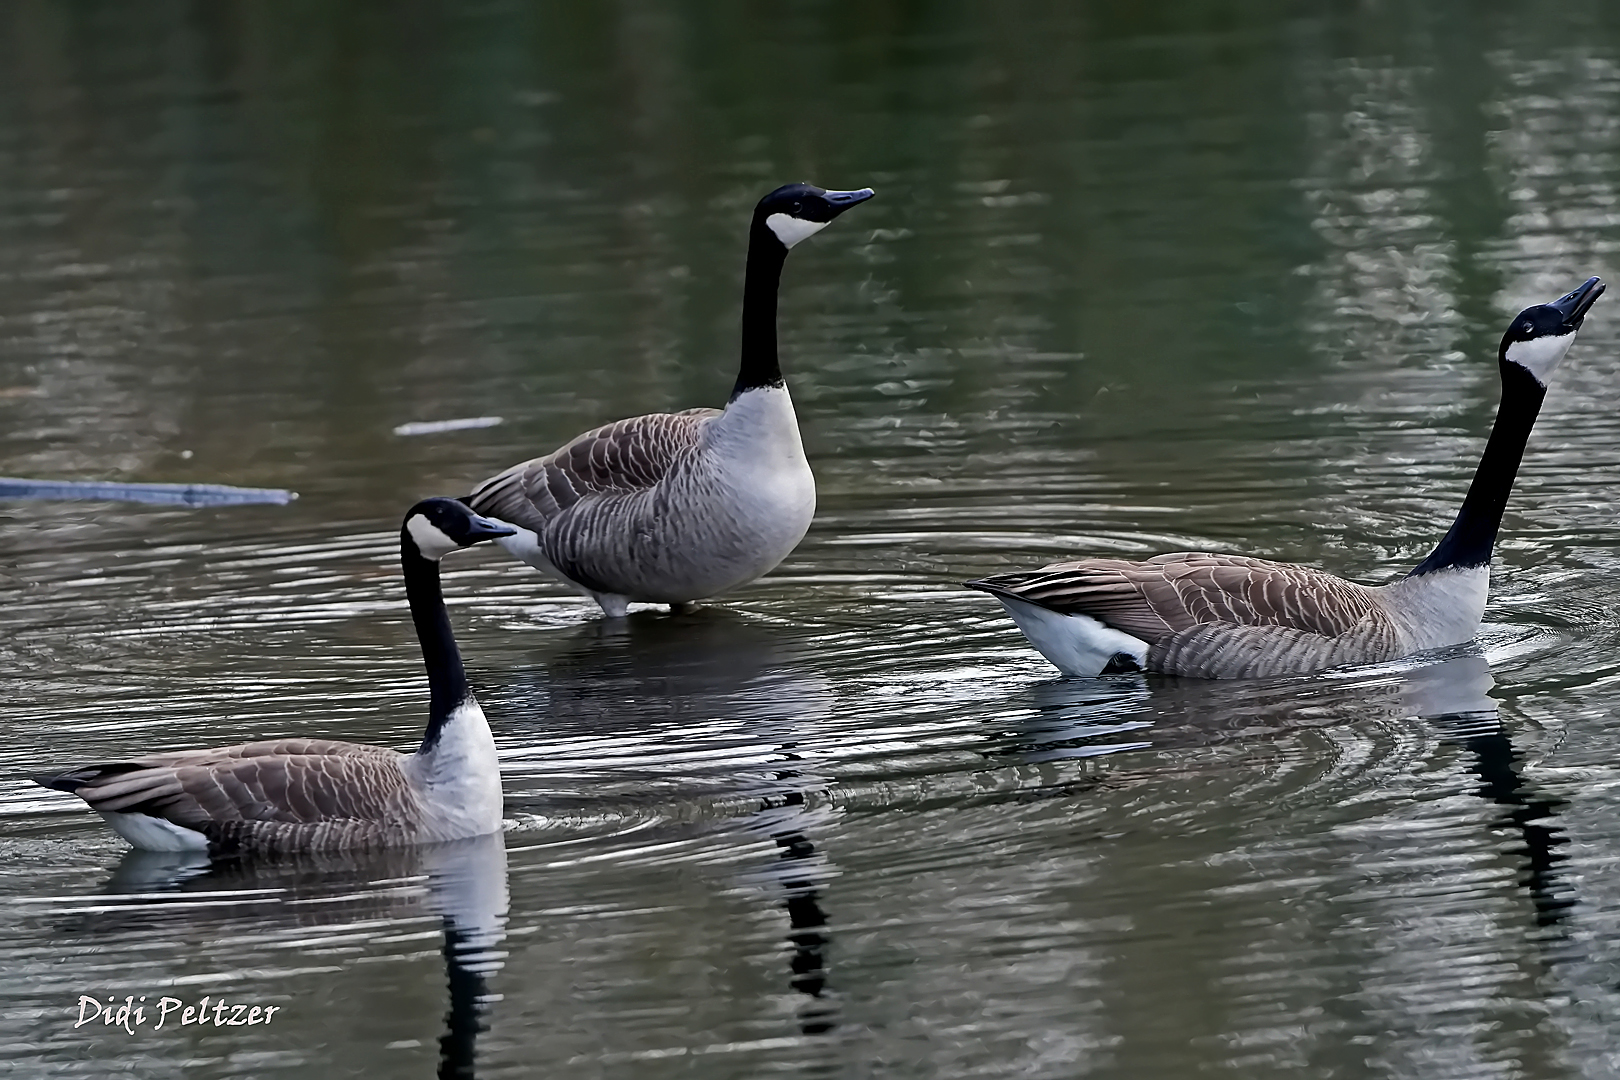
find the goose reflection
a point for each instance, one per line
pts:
(467, 884)
(1075, 718)
(1451, 696)
(1133, 712)
(799, 876)
(652, 670)
(1533, 815)
(465, 887)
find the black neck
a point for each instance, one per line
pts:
(760, 282)
(447, 679)
(1473, 534)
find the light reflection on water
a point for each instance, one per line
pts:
(1129, 287)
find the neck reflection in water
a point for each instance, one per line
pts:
(1534, 816)
(1112, 716)
(799, 876)
(702, 693)
(465, 886)
(467, 883)
(1452, 697)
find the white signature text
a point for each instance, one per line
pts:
(133, 1012)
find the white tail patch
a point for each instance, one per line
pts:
(1077, 645)
(790, 230)
(431, 540)
(524, 546)
(1539, 356)
(154, 833)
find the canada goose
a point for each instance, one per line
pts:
(1229, 617)
(670, 508)
(316, 795)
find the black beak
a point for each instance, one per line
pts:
(1573, 307)
(843, 200)
(482, 528)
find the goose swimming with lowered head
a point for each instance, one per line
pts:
(1230, 617)
(671, 508)
(316, 795)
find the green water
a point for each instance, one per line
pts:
(1138, 278)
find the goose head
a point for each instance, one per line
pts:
(795, 211)
(1539, 336)
(439, 526)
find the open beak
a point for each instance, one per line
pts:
(843, 200)
(1573, 307)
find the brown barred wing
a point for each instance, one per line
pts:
(1229, 651)
(1161, 597)
(290, 782)
(619, 458)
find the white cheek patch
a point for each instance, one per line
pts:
(430, 539)
(1540, 355)
(790, 230)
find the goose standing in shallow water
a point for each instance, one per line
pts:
(670, 508)
(316, 795)
(1229, 617)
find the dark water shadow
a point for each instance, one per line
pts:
(465, 886)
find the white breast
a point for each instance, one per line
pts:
(761, 494)
(1441, 608)
(460, 779)
(757, 429)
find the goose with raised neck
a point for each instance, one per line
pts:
(672, 508)
(321, 795)
(1230, 616)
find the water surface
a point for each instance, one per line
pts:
(1138, 279)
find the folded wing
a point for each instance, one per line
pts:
(288, 782)
(1173, 594)
(614, 460)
